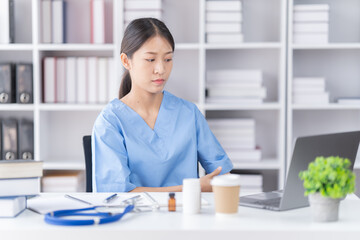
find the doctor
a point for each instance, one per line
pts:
(149, 139)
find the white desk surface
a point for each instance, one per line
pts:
(250, 223)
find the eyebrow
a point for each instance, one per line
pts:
(154, 53)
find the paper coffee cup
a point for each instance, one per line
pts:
(226, 190)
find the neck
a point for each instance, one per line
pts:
(144, 101)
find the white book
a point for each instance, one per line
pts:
(103, 80)
(311, 7)
(224, 38)
(60, 80)
(223, 6)
(251, 180)
(317, 98)
(237, 144)
(46, 19)
(19, 187)
(223, 17)
(237, 92)
(113, 84)
(4, 22)
(309, 82)
(311, 27)
(98, 21)
(233, 75)
(231, 123)
(308, 16)
(12, 206)
(311, 38)
(302, 90)
(142, 4)
(134, 14)
(93, 80)
(81, 78)
(223, 27)
(234, 101)
(244, 155)
(235, 84)
(71, 76)
(349, 101)
(228, 132)
(57, 21)
(49, 80)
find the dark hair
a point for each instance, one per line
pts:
(135, 35)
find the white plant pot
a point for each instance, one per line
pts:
(324, 209)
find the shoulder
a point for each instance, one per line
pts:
(111, 113)
(180, 103)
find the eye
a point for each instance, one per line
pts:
(150, 60)
(168, 60)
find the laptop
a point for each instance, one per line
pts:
(305, 151)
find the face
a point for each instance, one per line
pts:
(150, 65)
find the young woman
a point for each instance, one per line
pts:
(149, 139)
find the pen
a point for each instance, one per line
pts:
(110, 198)
(77, 199)
(132, 198)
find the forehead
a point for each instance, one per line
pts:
(156, 44)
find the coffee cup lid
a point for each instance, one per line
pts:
(227, 180)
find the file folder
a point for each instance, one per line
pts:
(26, 139)
(7, 83)
(9, 139)
(24, 83)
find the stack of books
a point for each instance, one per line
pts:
(7, 22)
(235, 86)
(237, 137)
(311, 24)
(18, 179)
(140, 9)
(251, 184)
(53, 21)
(310, 90)
(79, 80)
(223, 21)
(63, 181)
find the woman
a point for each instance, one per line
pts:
(148, 139)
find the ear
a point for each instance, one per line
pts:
(125, 61)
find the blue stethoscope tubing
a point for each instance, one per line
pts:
(55, 217)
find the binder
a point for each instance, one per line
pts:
(7, 83)
(26, 139)
(24, 83)
(7, 19)
(9, 139)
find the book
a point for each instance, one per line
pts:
(12, 206)
(9, 138)
(228, 6)
(26, 139)
(299, 27)
(244, 84)
(311, 7)
(24, 83)
(7, 83)
(231, 123)
(223, 27)
(97, 21)
(311, 38)
(233, 76)
(81, 78)
(308, 16)
(20, 168)
(315, 89)
(309, 98)
(234, 101)
(71, 85)
(224, 38)
(223, 17)
(63, 181)
(49, 80)
(57, 21)
(103, 80)
(134, 14)
(142, 4)
(230, 144)
(113, 84)
(309, 82)
(19, 186)
(60, 84)
(237, 92)
(238, 131)
(349, 100)
(93, 80)
(244, 155)
(46, 21)
(7, 22)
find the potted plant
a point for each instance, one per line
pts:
(327, 181)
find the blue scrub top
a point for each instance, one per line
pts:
(127, 153)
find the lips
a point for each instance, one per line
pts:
(158, 81)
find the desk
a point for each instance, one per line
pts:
(249, 224)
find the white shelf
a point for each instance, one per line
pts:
(264, 106)
(76, 47)
(264, 45)
(327, 46)
(331, 106)
(16, 107)
(70, 107)
(267, 164)
(16, 47)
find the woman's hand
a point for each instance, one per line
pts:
(205, 180)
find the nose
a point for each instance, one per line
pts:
(159, 68)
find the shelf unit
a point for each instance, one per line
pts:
(337, 61)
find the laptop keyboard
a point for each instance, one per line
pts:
(269, 202)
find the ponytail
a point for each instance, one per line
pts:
(125, 86)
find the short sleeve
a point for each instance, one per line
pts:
(109, 157)
(210, 153)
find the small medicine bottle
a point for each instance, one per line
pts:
(172, 202)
